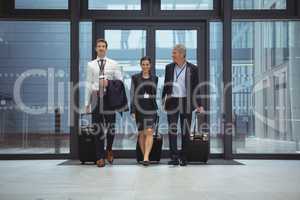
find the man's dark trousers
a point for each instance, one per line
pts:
(105, 121)
(178, 108)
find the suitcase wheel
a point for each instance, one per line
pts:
(82, 162)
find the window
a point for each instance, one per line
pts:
(133, 42)
(164, 43)
(115, 5)
(41, 4)
(85, 55)
(259, 4)
(187, 4)
(216, 89)
(265, 76)
(34, 77)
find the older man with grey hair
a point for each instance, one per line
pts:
(181, 81)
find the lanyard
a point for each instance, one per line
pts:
(101, 66)
(177, 75)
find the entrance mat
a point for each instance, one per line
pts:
(162, 162)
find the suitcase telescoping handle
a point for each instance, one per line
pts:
(201, 115)
(85, 113)
(156, 125)
(82, 115)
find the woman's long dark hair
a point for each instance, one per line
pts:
(145, 58)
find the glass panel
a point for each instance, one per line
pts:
(266, 92)
(126, 47)
(187, 4)
(34, 71)
(259, 4)
(165, 41)
(85, 52)
(115, 5)
(216, 89)
(41, 4)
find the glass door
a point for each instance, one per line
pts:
(166, 37)
(127, 43)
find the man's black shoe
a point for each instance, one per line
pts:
(182, 163)
(173, 162)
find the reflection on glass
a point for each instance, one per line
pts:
(115, 5)
(41, 4)
(126, 47)
(187, 4)
(266, 76)
(43, 48)
(165, 41)
(259, 4)
(216, 89)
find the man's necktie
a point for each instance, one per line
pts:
(102, 63)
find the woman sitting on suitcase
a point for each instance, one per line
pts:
(143, 106)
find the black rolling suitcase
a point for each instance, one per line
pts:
(199, 144)
(156, 150)
(86, 141)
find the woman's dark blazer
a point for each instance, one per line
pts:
(136, 80)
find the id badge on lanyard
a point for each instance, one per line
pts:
(146, 95)
(178, 74)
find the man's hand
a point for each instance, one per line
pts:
(200, 109)
(88, 109)
(103, 82)
(163, 103)
(133, 116)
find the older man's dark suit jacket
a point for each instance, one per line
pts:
(192, 80)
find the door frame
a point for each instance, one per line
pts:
(202, 52)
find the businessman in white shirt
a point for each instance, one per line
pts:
(99, 72)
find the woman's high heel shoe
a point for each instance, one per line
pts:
(146, 163)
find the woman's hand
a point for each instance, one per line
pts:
(200, 109)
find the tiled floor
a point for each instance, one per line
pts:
(49, 180)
